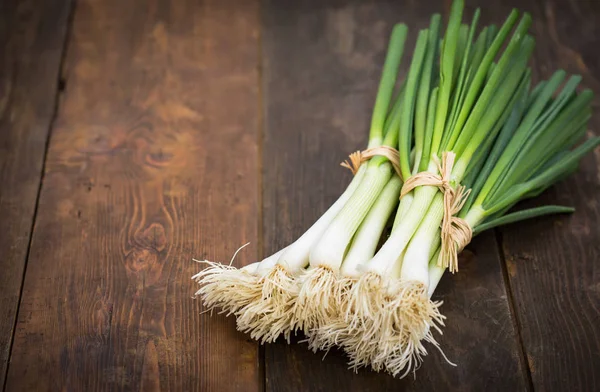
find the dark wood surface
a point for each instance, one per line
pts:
(32, 37)
(186, 129)
(553, 262)
(152, 161)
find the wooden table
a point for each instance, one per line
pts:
(135, 135)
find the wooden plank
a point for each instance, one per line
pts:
(32, 36)
(322, 66)
(153, 161)
(553, 262)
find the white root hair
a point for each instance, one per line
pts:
(319, 299)
(270, 314)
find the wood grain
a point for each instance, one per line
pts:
(322, 66)
(553, 262)
(153, 161)
(32, 37)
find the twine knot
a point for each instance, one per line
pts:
(358, 157)
(456, 232)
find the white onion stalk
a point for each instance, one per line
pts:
(380, 280)
(318, 294)
(269, 315)
(399, 353)
(363, 246)
(367, 237)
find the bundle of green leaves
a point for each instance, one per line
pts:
(473, 138)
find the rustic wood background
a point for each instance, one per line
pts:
(135, 135)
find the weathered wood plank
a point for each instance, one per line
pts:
(553, 262)
(32, 37)
(322, 65)
(153, 161)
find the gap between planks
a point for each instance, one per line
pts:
(260, 136)
(60, 86)
(512, 311)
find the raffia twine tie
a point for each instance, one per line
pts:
(358, 157)
(456, 232)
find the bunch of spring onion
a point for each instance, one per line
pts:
(465, 108)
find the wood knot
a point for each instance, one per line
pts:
(153, 237)
(144, 261)
(98, 140)
(158, 158)
(140, 259)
